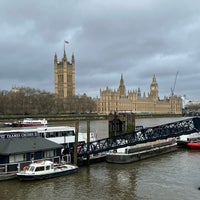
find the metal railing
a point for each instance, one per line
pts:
(144, 135)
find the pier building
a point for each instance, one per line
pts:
(118, 100)
(18, 145)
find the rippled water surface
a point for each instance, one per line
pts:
(173, 176)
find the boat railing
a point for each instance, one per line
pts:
(67, 158)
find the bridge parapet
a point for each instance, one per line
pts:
(170, 130)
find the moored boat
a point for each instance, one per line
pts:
(33, 122)
(44, 170)
(27, 122)
(194, 145)
(183, 140)
(141, 151)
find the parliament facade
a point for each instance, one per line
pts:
(119, 100)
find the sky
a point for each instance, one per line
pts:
(108, 38)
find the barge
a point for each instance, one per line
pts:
(138, 152)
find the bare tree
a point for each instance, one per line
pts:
(34, 101)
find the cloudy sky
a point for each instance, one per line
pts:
(108, 38)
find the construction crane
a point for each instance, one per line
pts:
(172, 89)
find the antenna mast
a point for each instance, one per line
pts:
(172, 89)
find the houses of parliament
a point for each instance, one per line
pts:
(117, 100)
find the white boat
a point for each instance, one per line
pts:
(58, 134)
(64, 135)
(183, 140)
(28, 122)
(44, 170)
(33, 122)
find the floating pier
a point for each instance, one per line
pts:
(138, 152)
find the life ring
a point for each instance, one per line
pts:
(25, 168)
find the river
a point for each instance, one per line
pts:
(173, 176)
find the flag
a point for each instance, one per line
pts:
(66, 41)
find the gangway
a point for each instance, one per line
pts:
(170, 130)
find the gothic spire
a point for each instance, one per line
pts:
(73, 59)
(122, 88)
(121, 80)
(55, 58)
(64, 56)
(154, 79)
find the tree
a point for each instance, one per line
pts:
(27, 100)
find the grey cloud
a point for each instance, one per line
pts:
(136, 38)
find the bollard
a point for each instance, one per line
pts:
(88, 141)
(76, 142)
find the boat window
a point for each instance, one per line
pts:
(31, 168)
(60, 133)
(56, 134)
(51, 134)
(70, 133)
(39, 169)
(48, 167)
(42, 135)
(63, 133)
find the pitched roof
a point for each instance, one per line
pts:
(26, 144)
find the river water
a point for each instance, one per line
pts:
(173, 176)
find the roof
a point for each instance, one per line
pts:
(26, 144)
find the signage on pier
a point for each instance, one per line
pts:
(18, 135)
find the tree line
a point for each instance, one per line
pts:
(192, 109)
(34, 101)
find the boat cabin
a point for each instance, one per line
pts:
(40, 167)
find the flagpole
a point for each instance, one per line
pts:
(65, 41)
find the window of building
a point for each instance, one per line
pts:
(49, 153)
(16, 158)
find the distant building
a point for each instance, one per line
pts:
(64, 73)
(118, 101)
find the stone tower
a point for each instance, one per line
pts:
(64, 74)
(122, 88)
(154, 89)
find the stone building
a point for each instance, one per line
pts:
(119, 101)
(64, 73)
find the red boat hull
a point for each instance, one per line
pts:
(193, 145)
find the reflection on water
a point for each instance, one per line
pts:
(99, 181)
(170, 176)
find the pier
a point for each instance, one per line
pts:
(149, 134)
